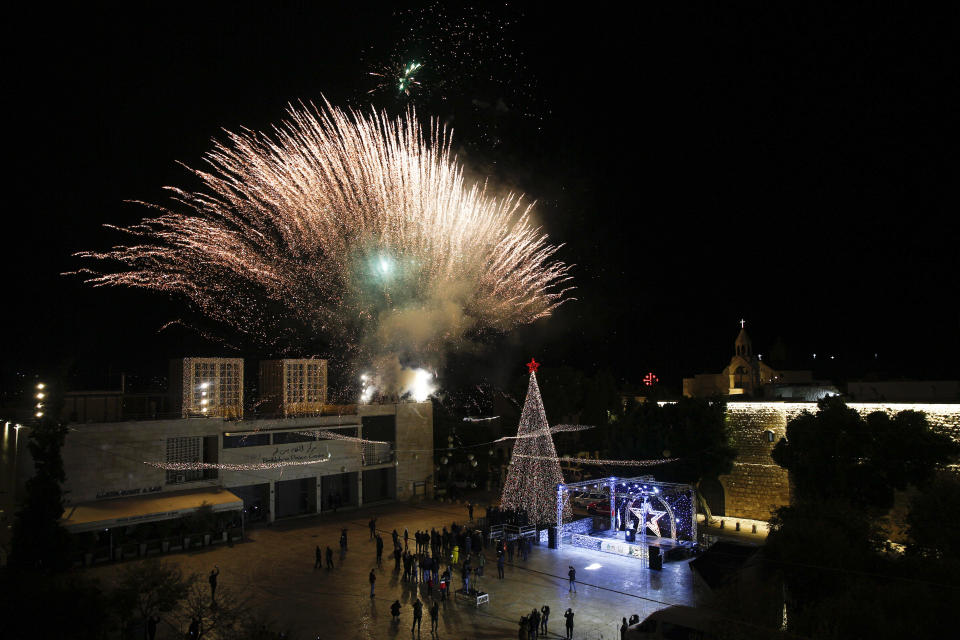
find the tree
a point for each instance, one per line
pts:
(39, 543)
(691, 429)
(829, 544)
(36, 605)
(223, 618)
(837, 454)
(150, 588)
(933, 522)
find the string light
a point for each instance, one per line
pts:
(253, 466)
(557, 429)
(330, 435)
(623, 463)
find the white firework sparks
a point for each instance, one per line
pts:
(357, 228)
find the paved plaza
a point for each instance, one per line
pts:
(275, 568)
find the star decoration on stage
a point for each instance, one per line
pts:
(533, 365)
(653, 522)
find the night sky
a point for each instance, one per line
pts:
(795, 167)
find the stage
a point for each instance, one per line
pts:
(614, 542)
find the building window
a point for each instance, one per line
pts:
(292, 437)
(184, 450)
(768, 435)
(246, 440)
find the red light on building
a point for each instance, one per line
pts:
(650, 379)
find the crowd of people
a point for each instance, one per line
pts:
(497, 516)
(431, 559)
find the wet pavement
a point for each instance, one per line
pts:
(275, 569)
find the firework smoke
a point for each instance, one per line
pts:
(355, 232)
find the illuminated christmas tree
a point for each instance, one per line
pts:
(534, 469)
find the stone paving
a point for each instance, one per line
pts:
(275, 568)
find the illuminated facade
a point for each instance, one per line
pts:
(293, 387)
(757, 485)
(208, 387)
(747, 375)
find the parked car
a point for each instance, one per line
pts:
(675, 623)
(602, 506)
(584, 499)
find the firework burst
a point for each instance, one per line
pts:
(356, 229)
(401, 78)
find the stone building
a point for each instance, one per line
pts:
(211, 387)
(748, 375)
(130, 472)
(293, 387)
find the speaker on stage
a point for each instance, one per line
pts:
(656, 560)
(552, 537)
(631, 535)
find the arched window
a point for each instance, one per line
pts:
(768, 435)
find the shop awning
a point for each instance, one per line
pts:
(120, 512)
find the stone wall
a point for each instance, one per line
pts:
(757, 485)
(414, 448)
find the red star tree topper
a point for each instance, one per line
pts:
(534, 473)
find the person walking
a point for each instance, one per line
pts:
(572, 574)
(373, 581)
(213, 582)
(500, 566)
(343, 540)
(379, 551)
(569, 616)
(329, 558)
(456, 554)
(318, 561)
(396, 538)
(406, 539)
(534, 624)
(396, 559)
(373, 528)
(417, 616)
(434, 616)
(544, 615)
(395, 611)
(623, 630)
(482, 560)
